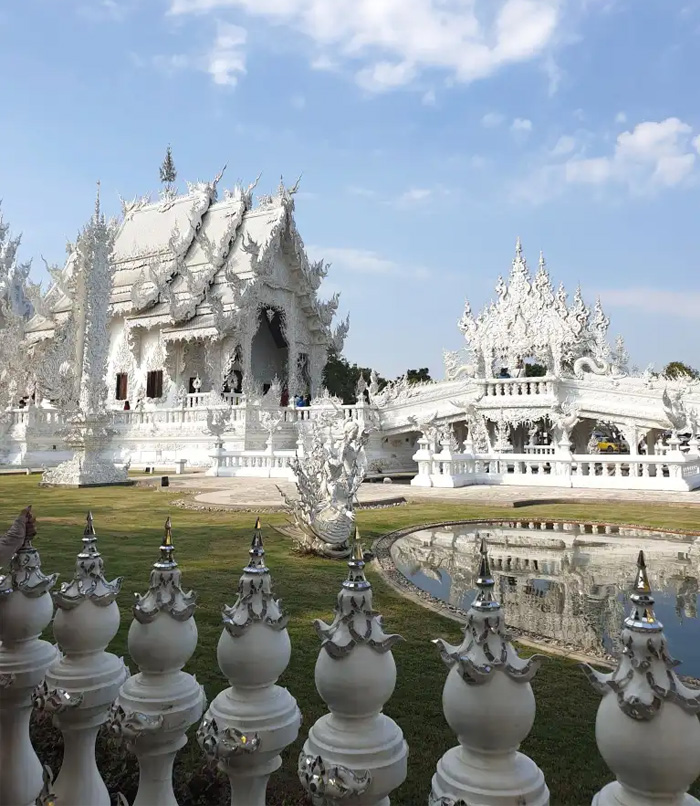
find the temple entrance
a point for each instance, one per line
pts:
(269, 349)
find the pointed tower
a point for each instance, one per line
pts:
(168, 173)
(89, 433)
(647, 728)
(488, 702)
(250, 723)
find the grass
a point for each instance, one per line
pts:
(211, 549)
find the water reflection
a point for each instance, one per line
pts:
(566, 583)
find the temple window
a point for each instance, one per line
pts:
(154, 383)
(122, 386)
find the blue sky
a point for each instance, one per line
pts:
(430, 134)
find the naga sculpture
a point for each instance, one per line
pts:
(328, 476)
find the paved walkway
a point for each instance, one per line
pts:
(249, 493)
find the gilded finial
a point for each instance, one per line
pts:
(642, 616)
(89, 525)
(166, 560)
(356, 564)
(485, 582)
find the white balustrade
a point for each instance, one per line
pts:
(263, 464)
(251, 722)
(488, 702)
(155, 707)
(81, 686)
(355, 752)
(25, 610)
(647, 727)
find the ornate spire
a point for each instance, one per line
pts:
(542, 264)
(164, 592)
(518, 249)
(168, 172)
(25, 574)
(256, 602)
(88, 581)
(485, 583)
(98, 213)
(355, 621)
(642, 616)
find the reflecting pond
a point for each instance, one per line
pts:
(565, 582)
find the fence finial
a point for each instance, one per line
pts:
(489, 704)
(644, 688)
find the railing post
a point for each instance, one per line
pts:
(25, 610)
(80, 688)
(488, 702)
(155, 707)
(249, 724)
(355, 753)
(647, 728)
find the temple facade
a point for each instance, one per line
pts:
(216, 329)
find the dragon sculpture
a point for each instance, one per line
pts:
(328, 476)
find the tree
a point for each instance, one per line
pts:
(340, 377)
(535, 370)
(168, 172)
(676, 370)
(421, 375)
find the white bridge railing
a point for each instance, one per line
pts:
(680, 472)
(268, 464)
(350, 756)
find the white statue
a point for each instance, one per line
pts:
(328, 477)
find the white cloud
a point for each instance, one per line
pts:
(565, 145)
(226, 59)
(365, 261)
(389, 43)
(429, 98)
(652, 155)
(621, 117)
(170, 65)
(654, 300)
(366, 193)
(492, 119)
(414, 195)
(521, 126)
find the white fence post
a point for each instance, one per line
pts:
(81, 687)
(356, 752)
(156, 706)
(25, 610)
(488, 702)
(249, 724)
(647, 728)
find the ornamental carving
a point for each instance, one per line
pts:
(222, 745)
(327, 784)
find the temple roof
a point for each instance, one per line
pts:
(172, 255)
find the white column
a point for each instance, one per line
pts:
(25, 611)
(82, 685)
(647, 727)
(488, 702)
(355, 752)
(249, 724)
(155, 708)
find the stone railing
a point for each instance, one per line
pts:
(513, 387)
(268, 463)
(672, 471)
(353, 754)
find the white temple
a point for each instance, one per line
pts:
(215, 325)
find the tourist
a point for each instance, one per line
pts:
(284, 400)
(307, 399)
(127, 407)
(11, 541)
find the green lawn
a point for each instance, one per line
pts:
(211, 549)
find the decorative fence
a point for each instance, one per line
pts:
(670, 471)
(647, 728)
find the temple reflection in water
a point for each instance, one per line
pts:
(560, 580)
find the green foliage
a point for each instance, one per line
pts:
(418, 375)
(340, 377)
(212, 547)
(535, 370)
(677, 369)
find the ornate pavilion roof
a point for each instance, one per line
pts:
(194, 256)
(530, 319)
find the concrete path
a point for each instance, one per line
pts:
(246, 493)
